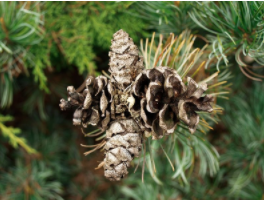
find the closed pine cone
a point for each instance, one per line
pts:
(124, 142)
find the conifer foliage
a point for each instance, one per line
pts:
(198, 68)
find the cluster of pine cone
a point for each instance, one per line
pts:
(132, 102)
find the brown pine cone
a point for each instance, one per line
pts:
(92, 106)
(125, 63)
(165, 100)
(124, 142)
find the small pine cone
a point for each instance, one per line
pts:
(125, 62)
(92, 105)
(165, 100)
(123, 143)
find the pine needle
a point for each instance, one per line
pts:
(206, 125)
(106, 74)
(151, 157)
(167, 157)
(217, 93)
(210, 78)
(217, 84)
(198, 69)
(89, 146)
(151, 45)
(157, 51)
(137, 165)
(100, 165)
(11, 133)
(146, 53)
(91, 134)
(144, 162)
(247, 75)
(96, 148)
(100, 138)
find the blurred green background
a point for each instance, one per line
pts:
(46, 46)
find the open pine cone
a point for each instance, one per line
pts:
(165, 100)
(92, 104)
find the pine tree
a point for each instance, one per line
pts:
(231, 28)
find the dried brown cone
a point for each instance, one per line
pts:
(125, 62)
(92, 105)
(165, 100)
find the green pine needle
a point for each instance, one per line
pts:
(11, 133)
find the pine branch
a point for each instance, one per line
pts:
(235, 28)
(20, 29)
(245, 141)
(11, 133)
(165, 17)
(34, 182)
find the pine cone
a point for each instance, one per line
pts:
(125, 63)
(92, 105)
(165, 100)
(124, 141)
